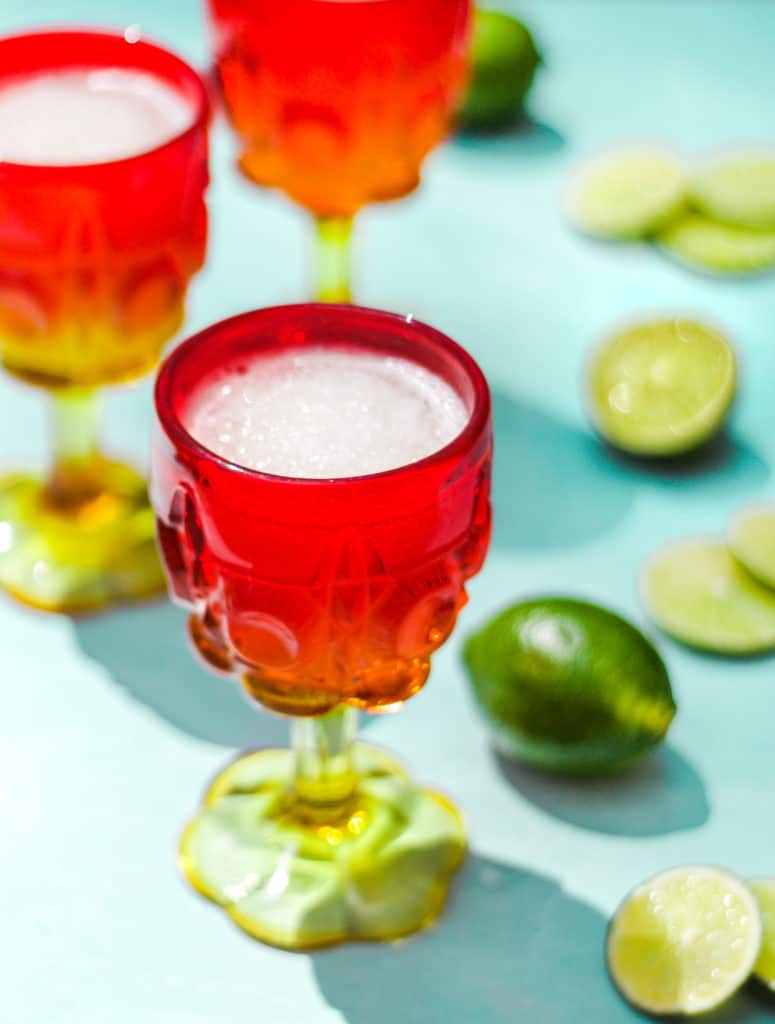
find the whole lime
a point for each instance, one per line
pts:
(504, 59)
(569, 687)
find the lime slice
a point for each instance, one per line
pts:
(738, 189)
(629, 193)
(504, 60)
(764, 891)
(704, 244)
(569, 687)
(752, 541)
(696, 591)
(662, 387)
(684, 941)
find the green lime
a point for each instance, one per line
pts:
(738, 189)
(704, 244)
(684, 941)
(662, 387)
(696, 591)
(752, 541)
(628, 193)
(504, 60)
(568, 686)
(764, 891)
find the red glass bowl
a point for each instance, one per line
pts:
(95, 258)
(321, 592)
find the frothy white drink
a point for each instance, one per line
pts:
(325, 413)
(87, 117)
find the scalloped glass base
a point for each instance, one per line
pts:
(379, 872)
(101, 552)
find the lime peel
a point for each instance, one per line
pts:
(684, 941)
(764, 893)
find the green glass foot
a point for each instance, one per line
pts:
(100, 551)
(380, 872)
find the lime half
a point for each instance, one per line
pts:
(504, 60)
(662, 387)
(764, 891)
(696, 591)
(704, 244)
(738, 189)
(629, 193)
(684, 941)
(752, 541)
(569, 687)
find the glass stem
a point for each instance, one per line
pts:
(75, 416)
(324, 780)
(334, 252)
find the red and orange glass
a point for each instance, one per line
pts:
(338, 102)
(95, 260)
(323, 596)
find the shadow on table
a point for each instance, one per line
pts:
(511, 946)
(552, 484)
(662, 794)
(555, 485)
(723, 457)
(145, 650)
(523, 137)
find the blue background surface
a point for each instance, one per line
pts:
(109, 730)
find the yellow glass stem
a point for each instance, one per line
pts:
(334, 254)
(324, 776)
(74, 477)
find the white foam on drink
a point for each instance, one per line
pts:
(324, 413)
(88, 116)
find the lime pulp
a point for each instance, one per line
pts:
(752, 541)
(662, 387)
(627, 194)
(738, 189)
(696, 591)
(707, 245)
(684, 941)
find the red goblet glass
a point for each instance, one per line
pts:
(95, 260)
(338, 102)
(323, 596)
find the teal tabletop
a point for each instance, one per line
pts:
(110, 730)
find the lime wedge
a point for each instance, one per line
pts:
(504, 60)
(704, 244)
(764, 891)
(629, 193)
(738, 189)
(684, 941)
(696, 591)
(752, 541)
(662, 387)
(569, 687)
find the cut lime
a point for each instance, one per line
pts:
(629, 193)
(764, 891)
(569, 687)
(705, 244)
(738, 189)
(752, 541)
(504, 59)
(696, 591)
(662, 387)
(684, 941)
